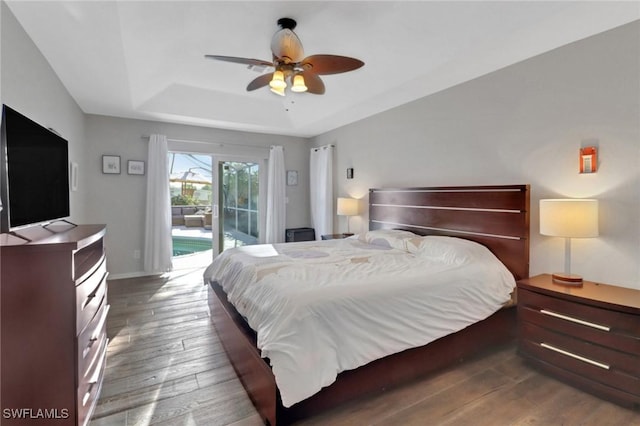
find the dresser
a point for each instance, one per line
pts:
(587, 336)
(53, 311)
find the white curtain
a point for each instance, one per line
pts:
(321, 190)
(157, 238)
(276, 204)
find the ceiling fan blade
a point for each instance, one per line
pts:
(245, 61)
(330, 64)
(259, 82)
(313, 82)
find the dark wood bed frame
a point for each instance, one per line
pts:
(495, 216)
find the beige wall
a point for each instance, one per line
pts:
(523, 124)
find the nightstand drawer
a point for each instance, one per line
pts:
(619, 362)
(584, 315)
(594, 369)
(588, 336)
(621, 342)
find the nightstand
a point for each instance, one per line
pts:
(335, 236)
(588, 336)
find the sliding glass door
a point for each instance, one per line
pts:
(239, 201)
(214, 210)
(218, 194)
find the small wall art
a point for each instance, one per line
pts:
(588, 159)
(292, 177)
(111, 164)
(135, 167)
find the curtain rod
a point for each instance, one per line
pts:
(324, 147)
(222, 145)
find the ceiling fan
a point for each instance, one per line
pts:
(290, 64)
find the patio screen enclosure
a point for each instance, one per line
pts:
(239, 193)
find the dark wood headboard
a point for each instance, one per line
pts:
(495, 216)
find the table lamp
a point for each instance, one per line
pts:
(568, 218)
(347, 207)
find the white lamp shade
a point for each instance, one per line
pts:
(277, 80)
(573, 218)
(298, 84)
(278, 91)
(347, 207)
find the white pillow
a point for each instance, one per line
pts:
(392, 238)
(450, 250)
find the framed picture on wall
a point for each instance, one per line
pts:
(292, 177)
(135, 167)
(588, 159)
(111, 164)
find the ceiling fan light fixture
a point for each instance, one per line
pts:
(277, 81)
(278, 91)
(298, 84)
(290, 66)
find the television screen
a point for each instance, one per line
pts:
(35, 171)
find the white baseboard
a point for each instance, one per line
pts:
(130, 275)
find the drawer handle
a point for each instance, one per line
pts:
(578, 357)
(94, 293)
(575, 320)
(88, 300)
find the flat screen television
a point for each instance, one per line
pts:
(34, 167)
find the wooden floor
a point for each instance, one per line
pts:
(166, 366)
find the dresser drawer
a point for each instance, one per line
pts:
(91, 340)
(89, 387)
(89, 296)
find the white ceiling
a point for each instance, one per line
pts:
(145, 59)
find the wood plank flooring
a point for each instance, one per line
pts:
(166, 366)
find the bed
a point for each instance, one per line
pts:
(494, 217)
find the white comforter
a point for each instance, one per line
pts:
(323, 307)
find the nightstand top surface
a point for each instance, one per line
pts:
(590, 291)
(336, 236)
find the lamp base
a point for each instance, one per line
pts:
(567, 279)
